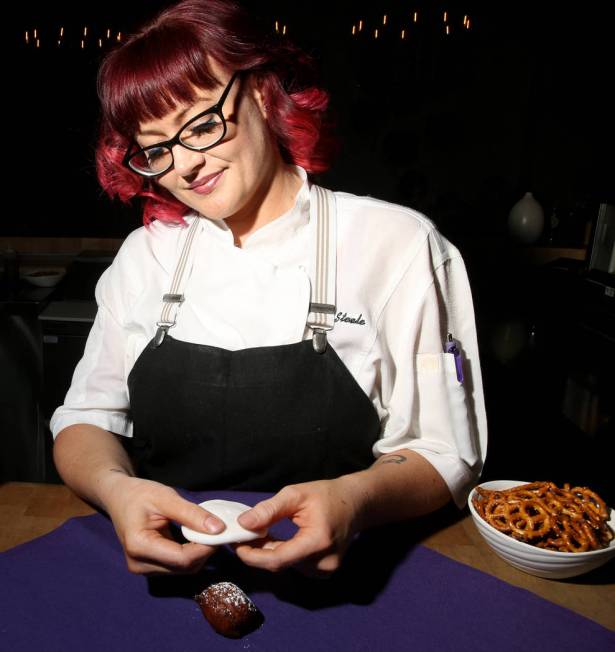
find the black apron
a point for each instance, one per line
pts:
(253, 419)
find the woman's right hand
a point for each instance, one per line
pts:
(141, 512)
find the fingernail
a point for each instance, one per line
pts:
(213, 525)
(247, 520)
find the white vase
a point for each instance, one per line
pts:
(526, 219)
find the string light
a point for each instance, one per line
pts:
(33, 35)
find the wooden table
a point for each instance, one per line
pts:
(30, 510)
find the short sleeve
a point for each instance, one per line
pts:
(98, 394)
(428, 409)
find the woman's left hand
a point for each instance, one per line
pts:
(326, 512)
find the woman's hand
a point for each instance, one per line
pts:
(326, 512)
(141, 511)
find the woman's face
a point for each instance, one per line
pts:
(238, 169)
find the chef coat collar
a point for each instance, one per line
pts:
(276, 232)
(273, 234)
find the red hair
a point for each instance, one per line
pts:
(160, 66)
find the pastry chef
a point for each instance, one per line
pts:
(260, 332)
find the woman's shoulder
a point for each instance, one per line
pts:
(372, 207)
(390, 227)
(154, 244)
(157, 232)
(145, 254)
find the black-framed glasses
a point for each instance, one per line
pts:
(200, 133)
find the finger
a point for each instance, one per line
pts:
(191, 569)
(280, 555)
(151, 547)
(151, 569)
(147, 566)
(267, 512)
(264, 542)
(184, 512)
(319, 567)
(307, 569)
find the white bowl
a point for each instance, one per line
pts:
(530, 559)
(48, 279)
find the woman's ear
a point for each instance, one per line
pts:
(259, 96)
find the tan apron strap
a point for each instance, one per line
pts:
(321, 317)
(174, 298)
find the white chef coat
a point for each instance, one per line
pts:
(401, 287)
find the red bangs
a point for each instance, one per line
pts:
(151, 89)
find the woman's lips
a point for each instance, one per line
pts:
(210, 183)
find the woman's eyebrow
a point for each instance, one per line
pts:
(179, 118)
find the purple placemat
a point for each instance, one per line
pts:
(71, 590)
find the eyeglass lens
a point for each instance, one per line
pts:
(201, 133)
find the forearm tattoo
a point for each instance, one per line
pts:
(393, 459)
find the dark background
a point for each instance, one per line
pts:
(457, 126)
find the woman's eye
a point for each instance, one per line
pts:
(205, 127)
(153, 154)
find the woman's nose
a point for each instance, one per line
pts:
(186, 160)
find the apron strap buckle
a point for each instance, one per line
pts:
(326, 308)
(173, 298)
(163, 328)
(322, 322)
(319, 340)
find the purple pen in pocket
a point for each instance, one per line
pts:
(452, 346)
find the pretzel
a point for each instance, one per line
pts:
(545, 515)
(592, 501)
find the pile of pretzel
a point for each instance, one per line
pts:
(540, 513)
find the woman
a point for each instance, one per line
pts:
(259, 332)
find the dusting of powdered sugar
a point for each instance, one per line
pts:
(227, 593)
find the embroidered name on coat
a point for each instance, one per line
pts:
(342, 316)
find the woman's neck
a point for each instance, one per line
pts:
(274, 198)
